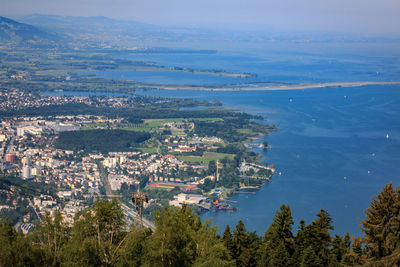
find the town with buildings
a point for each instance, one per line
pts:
(173, 168)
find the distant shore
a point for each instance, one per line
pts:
(300, 86)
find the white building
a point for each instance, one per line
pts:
(189, 199)
(110, 162)
(26, 161)
(20, 131)
(26, 172)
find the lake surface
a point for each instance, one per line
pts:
(282, 63)
(330, 147)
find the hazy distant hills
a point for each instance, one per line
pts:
(48, 31)
(96, 30)
(53, 30)
(20, 34)
(75, 24)
(105, 33)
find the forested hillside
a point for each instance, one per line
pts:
(100, 140)
(99, 237)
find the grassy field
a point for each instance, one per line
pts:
(206, 158)
(155, 125)
(161, 122)
(148, 125)
(141, 129)
(150, 150)
(92, 126)
(246, 131)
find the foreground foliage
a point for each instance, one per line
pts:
(99, 237)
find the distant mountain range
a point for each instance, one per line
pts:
(20, 34)
(104, 33)
(91, 32)
(53, 30)
(70, 24)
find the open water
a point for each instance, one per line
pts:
(330, 148)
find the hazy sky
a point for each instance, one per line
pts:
(362, 16)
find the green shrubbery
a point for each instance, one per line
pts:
(99, 237)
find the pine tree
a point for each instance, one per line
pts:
(279, 232)
(281, 229)
(245, 246)
(340, 247)
(319, 237)
(280, 256)
(382, 224)
(356, 254)
(310, 259)
(228, 240)
(300, 244)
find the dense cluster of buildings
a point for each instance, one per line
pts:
(18, 99)
(27, 151)
(129, 167)
(76, 178)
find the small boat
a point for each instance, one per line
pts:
(387, 136)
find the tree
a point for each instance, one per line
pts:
(97, 235)
(355, 255)
(210, 251)
(17, 250)
(310, 259)
(300, 244)
(280, 256)
(279, 233)
(319, 237)
(51, 235)
(382, 224)
(228, 240)
(212, 167)
(180, 239)
(134, 248)
(245, 246)
(340, 247)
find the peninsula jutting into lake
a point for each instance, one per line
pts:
(301, 86)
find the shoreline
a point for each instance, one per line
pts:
(300, 86)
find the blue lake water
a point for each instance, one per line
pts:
(293, 63)
(327, 141)
(331, 144)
